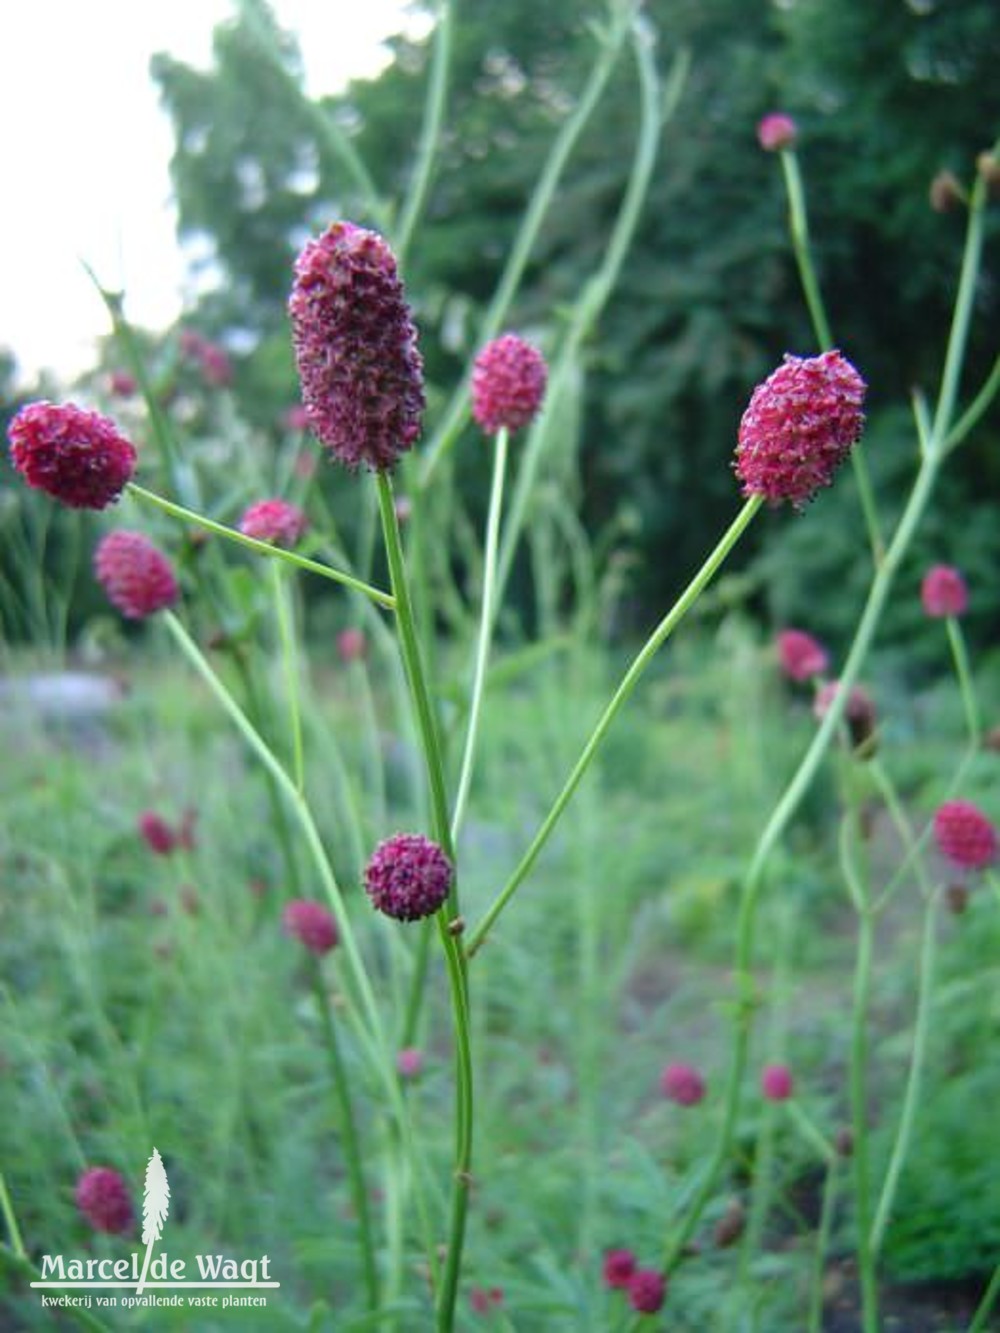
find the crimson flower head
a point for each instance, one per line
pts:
(776, 131)
(409, 1062)
(356, 348)
(646, 1290)
(311, 924)
(776, 1083)
(508, 384)
(800, 655)
(964, 835)
(122, 384)
(682, 1084)
(801, 424)
(78, 457)
(859, 711)
(276, 521)
(137, 577)
(157, 834)
(351, 645)
(943, 592)
(619, 1265)
(408, 877)
(103, 1198)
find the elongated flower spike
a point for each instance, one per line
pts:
(137, 577)
(79, 458)
(800, 425)
(356, 348)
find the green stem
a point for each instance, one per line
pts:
(810, 1131)
(291, 666)
(965, 682)
(22, 1267)
(656, 107)
(349, 1137)
(631, 678)
(959, 332)
(986, 1304)
(970, 417)
(430, 134)
(262, 548)
(799, 228)
(10, 1219)
(859, 1119)
(541, 200)
(454, 956)
(485, 630)
(815, 1319)
(911, 1097)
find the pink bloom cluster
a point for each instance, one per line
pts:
(77, 457)
(485, 1299)
(103, 1198)
(800, 425)
(351, 645)
(776, 131)
(943, 592)
(137, 577)
(212, 360)
(276, 521)
(965, 835)
(356, 348)
(800, 655)
(408, 877)
(776, 1083)
(311, 924)
(682, 1084)
(162, 838)
(508, 384)
(646, 1288)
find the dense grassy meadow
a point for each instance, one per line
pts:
(154, 999)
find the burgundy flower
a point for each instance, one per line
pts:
(799, 427)
(776, 131)
(408, 877)
(103, 1198)
(215, 364)
(157, 834)
(77, 457)
(311, 924)
(943, 592)
(619, 1266)
(776, 1083)
(409, 1062)
(351, 645)
(138, 579)
(965, 835)
(482, 1299)
(275, 521)
(508, 384)
(682, 1084)
(646, 1290)
(356, 348)
(122, 384)
(800, 655)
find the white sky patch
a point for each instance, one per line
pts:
(87, 147)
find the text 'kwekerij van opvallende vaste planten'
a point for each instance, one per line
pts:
(405, 1045)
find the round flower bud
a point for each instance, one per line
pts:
(351, 645)
(103, 1198)
(77, 457)
(859, 713)
(157, 834)
(801, 657)
(409, 1062)
(943, 592)
(776, 1083)
(275, 521)
(508, 384)
(646, 1290)
(356, 348)
(408, 877)
(801, 424)
(964, 835)
(946, 194)
(730, 1226)
(311, 924)
(682, 1084)
(988, 166)
(138, 579)
(776, 131)
(619, 1266)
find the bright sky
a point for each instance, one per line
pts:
(86, 149)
